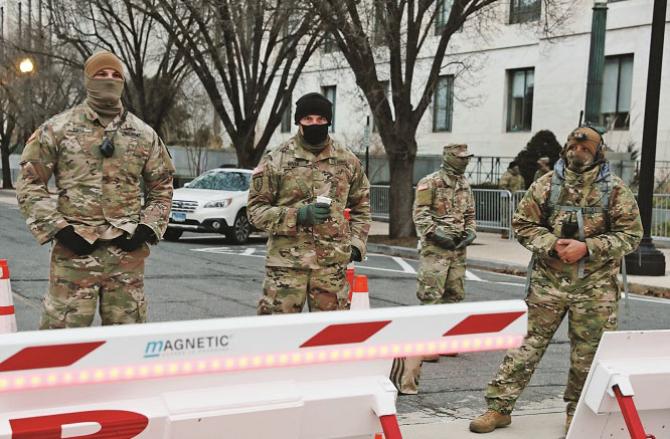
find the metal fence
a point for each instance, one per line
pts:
(379, 202)
(494, 209)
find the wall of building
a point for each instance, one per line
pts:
(560, 60)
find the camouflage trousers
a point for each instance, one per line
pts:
(591, 308)
(441, 279)
(441, 276)
(285, 290)
(108, 278)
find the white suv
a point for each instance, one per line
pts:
(215, 201)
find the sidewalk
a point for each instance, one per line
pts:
(490, 252)
(545, 426)
(8, 197)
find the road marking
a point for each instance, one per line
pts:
(228, 251)
(641, 298)
(471, 276)
(404, 265)
(390, 270)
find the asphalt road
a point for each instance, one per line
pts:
(202, 276)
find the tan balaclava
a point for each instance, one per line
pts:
(455, 158)
(103, 95)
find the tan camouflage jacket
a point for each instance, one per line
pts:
(538, 227)
(512, 182)
(290, 177)
(443, 201)
(96, 195)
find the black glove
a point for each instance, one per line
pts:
(75, 243)
(128, 243)
(315, 213)
(355, 255)
(467, 240)
(440, 238)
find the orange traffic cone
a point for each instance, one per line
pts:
(379, 436)
(7, 316)
(360, 298)
(351, 274)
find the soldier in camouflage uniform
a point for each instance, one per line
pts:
(444, 216)
(310, 242)
(99, 227)
(512, 181)
(579, 221)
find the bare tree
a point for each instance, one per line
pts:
(28, 99)
(246, 53)
(156, 67)
(400, 33)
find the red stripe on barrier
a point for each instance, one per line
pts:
(42, 357)
(345, 333)
(6, 310)
(4, 269)
(482, 323)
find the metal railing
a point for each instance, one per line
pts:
(494, 209)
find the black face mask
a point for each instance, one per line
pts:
(315, 134)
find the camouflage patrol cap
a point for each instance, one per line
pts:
(587, 137)
(458, 150)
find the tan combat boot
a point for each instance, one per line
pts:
(489, 421)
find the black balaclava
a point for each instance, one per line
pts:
(315, 136)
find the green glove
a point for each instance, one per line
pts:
(315, 213)
(442, 239)
(467, 240)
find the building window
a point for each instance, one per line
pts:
(330, 92)
(442, 16)
(523, 11)
(443, 103)
(328, 45)
(617, 90)
(385, 86)
(520, 99)
(286, 118)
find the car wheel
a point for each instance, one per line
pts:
(241, 229)
(172, 234)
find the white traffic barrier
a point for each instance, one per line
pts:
(626, 392)
(299, 376)
(360, 295)
(7, 315)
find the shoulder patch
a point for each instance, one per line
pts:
(258, 169)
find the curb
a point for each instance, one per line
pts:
(506, 268)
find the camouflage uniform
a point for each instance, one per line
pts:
(308, 262)
(101, 198)
(511, 182)
(587, 291)
(443, 200)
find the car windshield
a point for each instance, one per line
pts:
(222, 181)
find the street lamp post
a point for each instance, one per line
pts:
(594, 85)
(647, 260)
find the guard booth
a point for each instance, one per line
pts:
(300, 376)
(627, 391)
